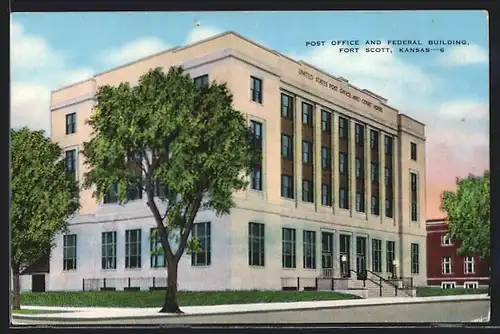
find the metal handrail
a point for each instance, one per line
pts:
(369, 279)
(381, 278)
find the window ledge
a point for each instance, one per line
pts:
(257, 103)
(257, 267)
(201, 266)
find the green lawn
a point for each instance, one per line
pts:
(38, 311)
(156, 298)
(437, 291)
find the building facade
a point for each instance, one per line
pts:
(341, 182)
(447, 269)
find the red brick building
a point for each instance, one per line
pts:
(445, 268)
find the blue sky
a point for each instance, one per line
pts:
(447, 91)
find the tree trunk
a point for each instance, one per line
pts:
(171, 304)
(16, 282)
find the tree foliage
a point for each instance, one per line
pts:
(165, 135)
(468, 211)
(43, 196)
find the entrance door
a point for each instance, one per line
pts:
(361, 255)
(345, 255)
(327, 254)
(38, 283)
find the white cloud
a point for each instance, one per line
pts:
(464, 55)
(36, 70)
(463, 110)
(134, 50)
(201, 32)
(150, 45)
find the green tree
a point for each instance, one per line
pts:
(43, 198)
(468, 211)
(167, 137)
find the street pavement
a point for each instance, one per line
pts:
(464, 309)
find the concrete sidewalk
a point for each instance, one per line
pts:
(100, 313)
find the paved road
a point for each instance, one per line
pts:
(463, 311)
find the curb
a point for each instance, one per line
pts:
(305, 308)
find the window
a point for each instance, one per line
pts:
(286, 106)
(360, 202)
(203, 232)
(388, 208)
(307, 113)
(307, 154)
(359, 168)
(111, 195)
(69, 252)
(388, 178)
(256, 240)
(257, 135)
(135, 165)
(358, 134)
(342, 162)
(446, 240)
(413, 178)
(309, 258)
(388, 145)
(377, 255)
(286, 186)
(256, 177)
(413, 151)
(375, 206)
(414, 214)
(342, 199)
(71, 123)
(160, 190)
(343, 130)
(470, 266)
(326, 121)
(448, 285)
(108, 251)
(157, 257)
(413, 207)
(71, 162)
(374, 172)
(133, 248)
(307, 191)
(326, 158)
(373, 140)
(286, 146)
(471, 285)
(415, 260)
(326, 195)
(390, 255)
(201, 81)
(446, 264)
(256, 90)
(288, 259)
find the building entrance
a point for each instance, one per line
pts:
(327, 254)
(361, 255)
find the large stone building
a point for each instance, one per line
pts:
(341, 183)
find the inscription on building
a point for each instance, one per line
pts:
(334, 87)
